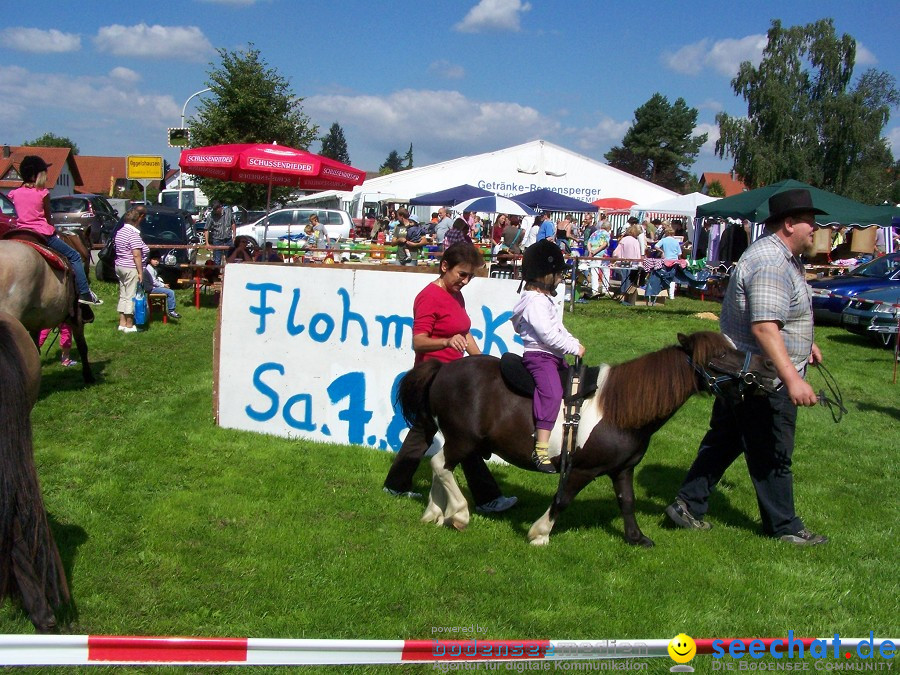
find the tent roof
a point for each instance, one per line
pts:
(517, 169)
(754, 205)
(450, 196)
(548, 200)
(683, 205)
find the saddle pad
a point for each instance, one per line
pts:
(55, 261)
(519, 380)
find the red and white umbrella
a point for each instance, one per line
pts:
(270, 164)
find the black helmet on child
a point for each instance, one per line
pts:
(540, 259)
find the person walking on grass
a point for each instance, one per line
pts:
(767, 311)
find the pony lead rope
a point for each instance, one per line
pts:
(835, 405)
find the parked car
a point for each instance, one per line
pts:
(282, 222)
(874, 313)
(882, 271)
(7, 214)
(163, 227)
(78, 211)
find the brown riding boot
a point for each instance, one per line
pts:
(541, 459)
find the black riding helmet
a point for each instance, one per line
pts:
(540, 259)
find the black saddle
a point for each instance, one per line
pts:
(519, 380)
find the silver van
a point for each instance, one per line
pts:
(292, 221)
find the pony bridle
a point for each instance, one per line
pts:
(745, 378)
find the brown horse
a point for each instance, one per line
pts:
(468, 401)
(30, 566)
(42, 297)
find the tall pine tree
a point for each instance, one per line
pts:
(660, 145)
(334, 145)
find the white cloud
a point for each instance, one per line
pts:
(106, 98)
(493, 15)
(893, 137)
(723, 56)
(39, 41)
(440, 124)
(124, 74)
(444, 68)
(174, 42)
(603, 135)
(711, 104)
(712, 132)
(863, 56)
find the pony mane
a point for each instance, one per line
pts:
(652, 387)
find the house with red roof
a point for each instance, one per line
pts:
(729, 182)
(63, 177)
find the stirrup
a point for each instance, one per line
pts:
(542, 460)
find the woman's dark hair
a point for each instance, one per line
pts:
(461, 225)
(462, 253)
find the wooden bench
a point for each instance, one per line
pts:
(157, 299)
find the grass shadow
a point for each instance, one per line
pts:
(55, 378)
(661, 482)
(69, 538)
(890, 411)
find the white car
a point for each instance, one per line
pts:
(292, 221)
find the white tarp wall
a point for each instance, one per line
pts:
(518, 169)
(316, 352)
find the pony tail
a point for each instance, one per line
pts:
(412, 394)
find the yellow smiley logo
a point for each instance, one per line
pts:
(682, 648)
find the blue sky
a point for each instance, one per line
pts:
(452, 78)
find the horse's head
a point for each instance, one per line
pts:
(721, 369)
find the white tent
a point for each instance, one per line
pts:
(519, 169)
(683, 205)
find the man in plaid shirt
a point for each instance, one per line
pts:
(767, 310)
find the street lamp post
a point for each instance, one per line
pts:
(180, 174)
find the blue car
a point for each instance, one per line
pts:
(883, 271)
(874, 313)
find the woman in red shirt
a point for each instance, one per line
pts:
(441, 331)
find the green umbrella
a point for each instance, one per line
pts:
(754, 205)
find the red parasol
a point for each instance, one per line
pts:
(270, 165)
(614, 204)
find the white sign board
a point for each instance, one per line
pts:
(317, 352)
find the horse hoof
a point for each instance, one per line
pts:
(540, 540)
(432, 515)
(643, 540)
(458, 525)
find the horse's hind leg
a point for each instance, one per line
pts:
(539, 534)
(446, 503)
(86, 373)
(623, 483)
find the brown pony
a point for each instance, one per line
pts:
(42, 297)
(30, 566)
(468, 401)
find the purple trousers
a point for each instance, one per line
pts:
(548, 393)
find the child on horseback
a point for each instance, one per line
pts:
(32, 202)
(537, 320)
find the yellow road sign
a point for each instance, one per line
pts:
(146, 167)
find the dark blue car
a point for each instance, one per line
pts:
(875, 314)
(883, 271)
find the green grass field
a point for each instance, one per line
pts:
(169, 525)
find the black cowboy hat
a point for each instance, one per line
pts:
(31, 166)
(542, 258)
(789, 202)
